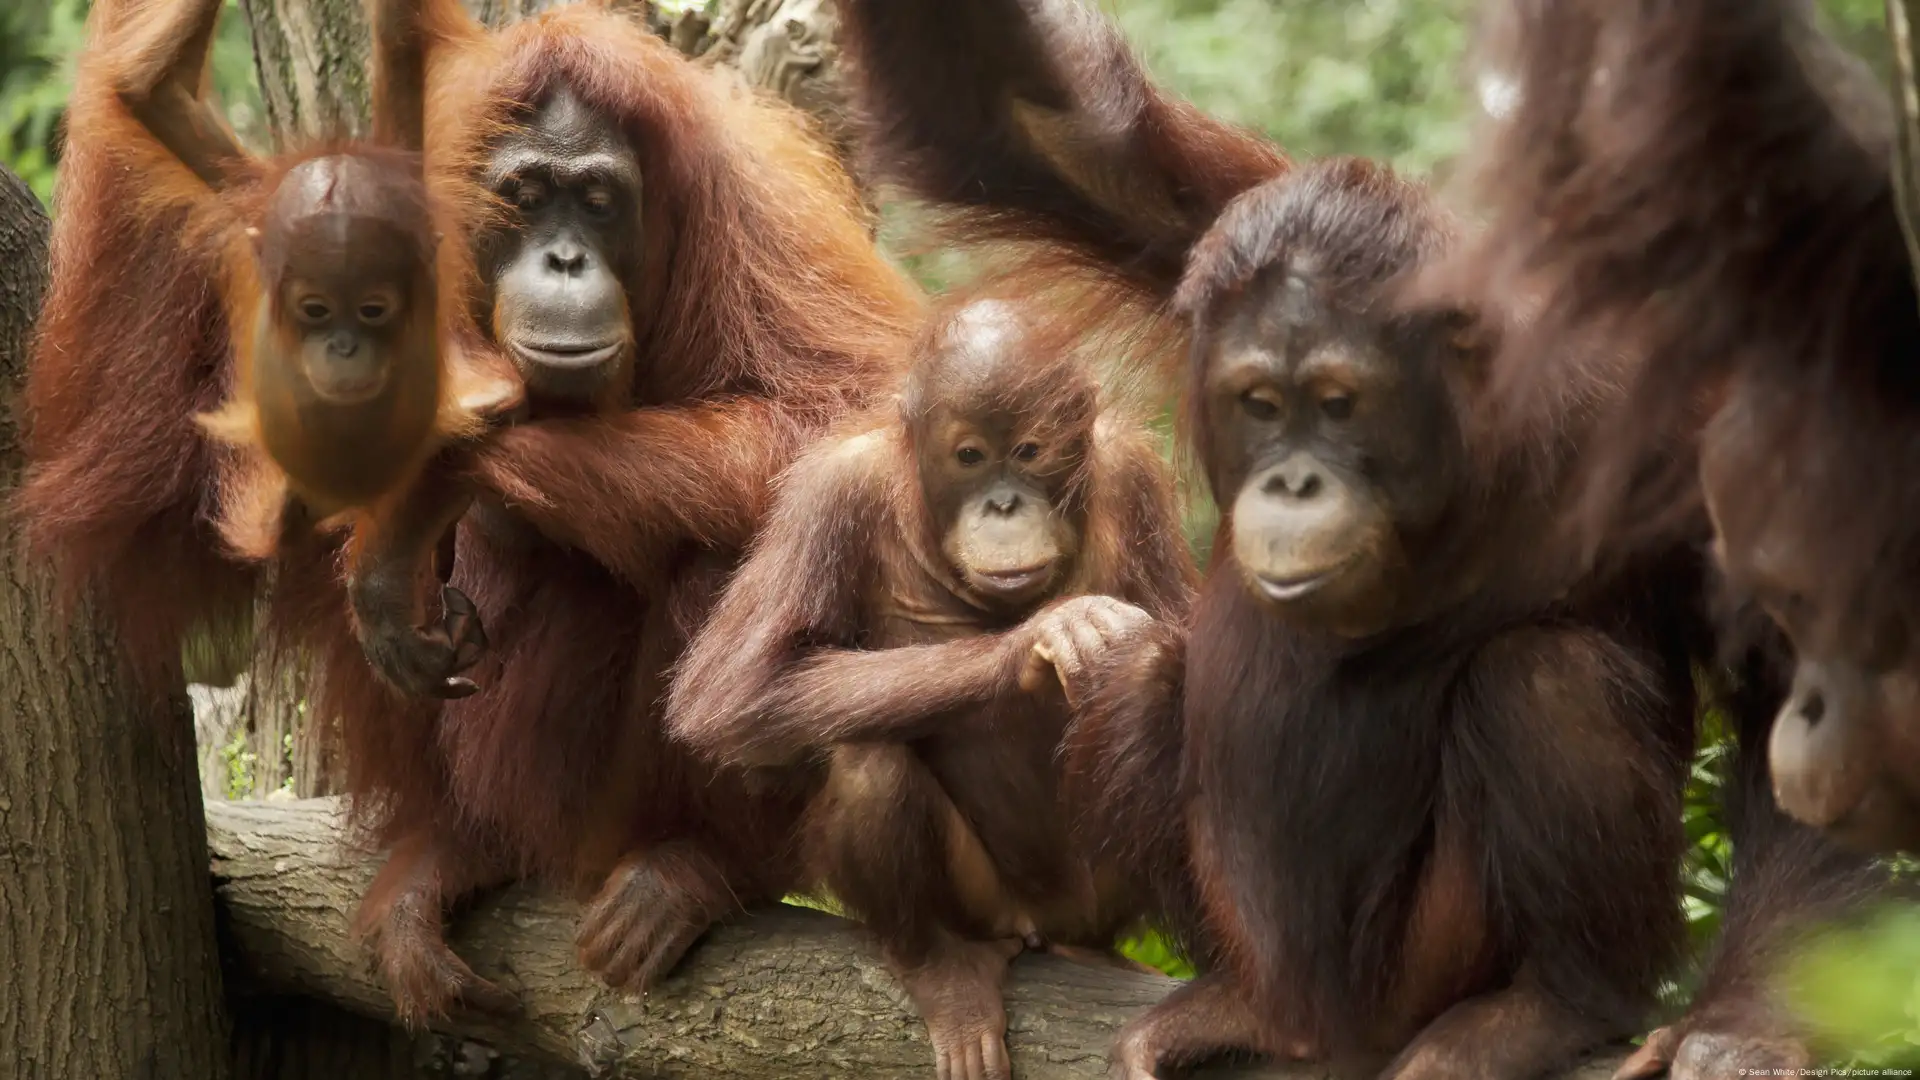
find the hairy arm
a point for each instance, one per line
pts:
(1121, 773)
(399, 73)
(777, 671)
(1565, 750)
(1136, 498)
(157, 74)
(630, 488)
(1708, 186)
(1033, 119)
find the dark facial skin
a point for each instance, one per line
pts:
(1327, 448)
(560, 302)
(348, 282)
(346, 346)
(351, 317)
(994, 477)
(1845, 750)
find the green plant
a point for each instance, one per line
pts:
(1375, 78)
(39, 43)
(1860, 990)
(1152, 948)
(36, 75)
(239, 761)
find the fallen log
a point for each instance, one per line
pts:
(783, 994)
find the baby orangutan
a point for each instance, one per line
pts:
(340, 390)
(918, 578)
(333, 299)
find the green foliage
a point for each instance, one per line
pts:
(1862, 26)
(1709, 864)
(818, 903)
(39, 42)
(1152, 949)
(239, 761)
(1369, 77)
(1860, 989)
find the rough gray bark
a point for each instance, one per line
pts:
(310, 55)
(219, 715)
(787, 993)
(276, 726)
(786, 46)
(108, 964)
(315, 758)
(261, 716)
(312, 60)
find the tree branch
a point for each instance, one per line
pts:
(785, 993)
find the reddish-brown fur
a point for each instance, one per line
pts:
(1696, 199)
(1419, 917)
(149, 328)
(851, 634)
(1715, 169)
(1026, 120)
(599, 541)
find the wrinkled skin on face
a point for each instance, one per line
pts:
(1845, 750)
(559, 272)
(1332, 446)
(999, 444)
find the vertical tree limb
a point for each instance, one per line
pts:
(108, 962)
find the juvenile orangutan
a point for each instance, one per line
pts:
(923, 578)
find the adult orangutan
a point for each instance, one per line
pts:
(917, 573)
(681, 278)
(1409, 785)
(1717, 205)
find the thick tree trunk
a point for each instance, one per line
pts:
(312, 60)
(316, 768)
(786, 994)
(108, 964)
(276, 731)
(311, 55)
(786, 46)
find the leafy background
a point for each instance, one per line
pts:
(1368, 77)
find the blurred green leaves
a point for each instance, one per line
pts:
(38, 44)
(1860, 990)
(1152, 949)
(1377, 78)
